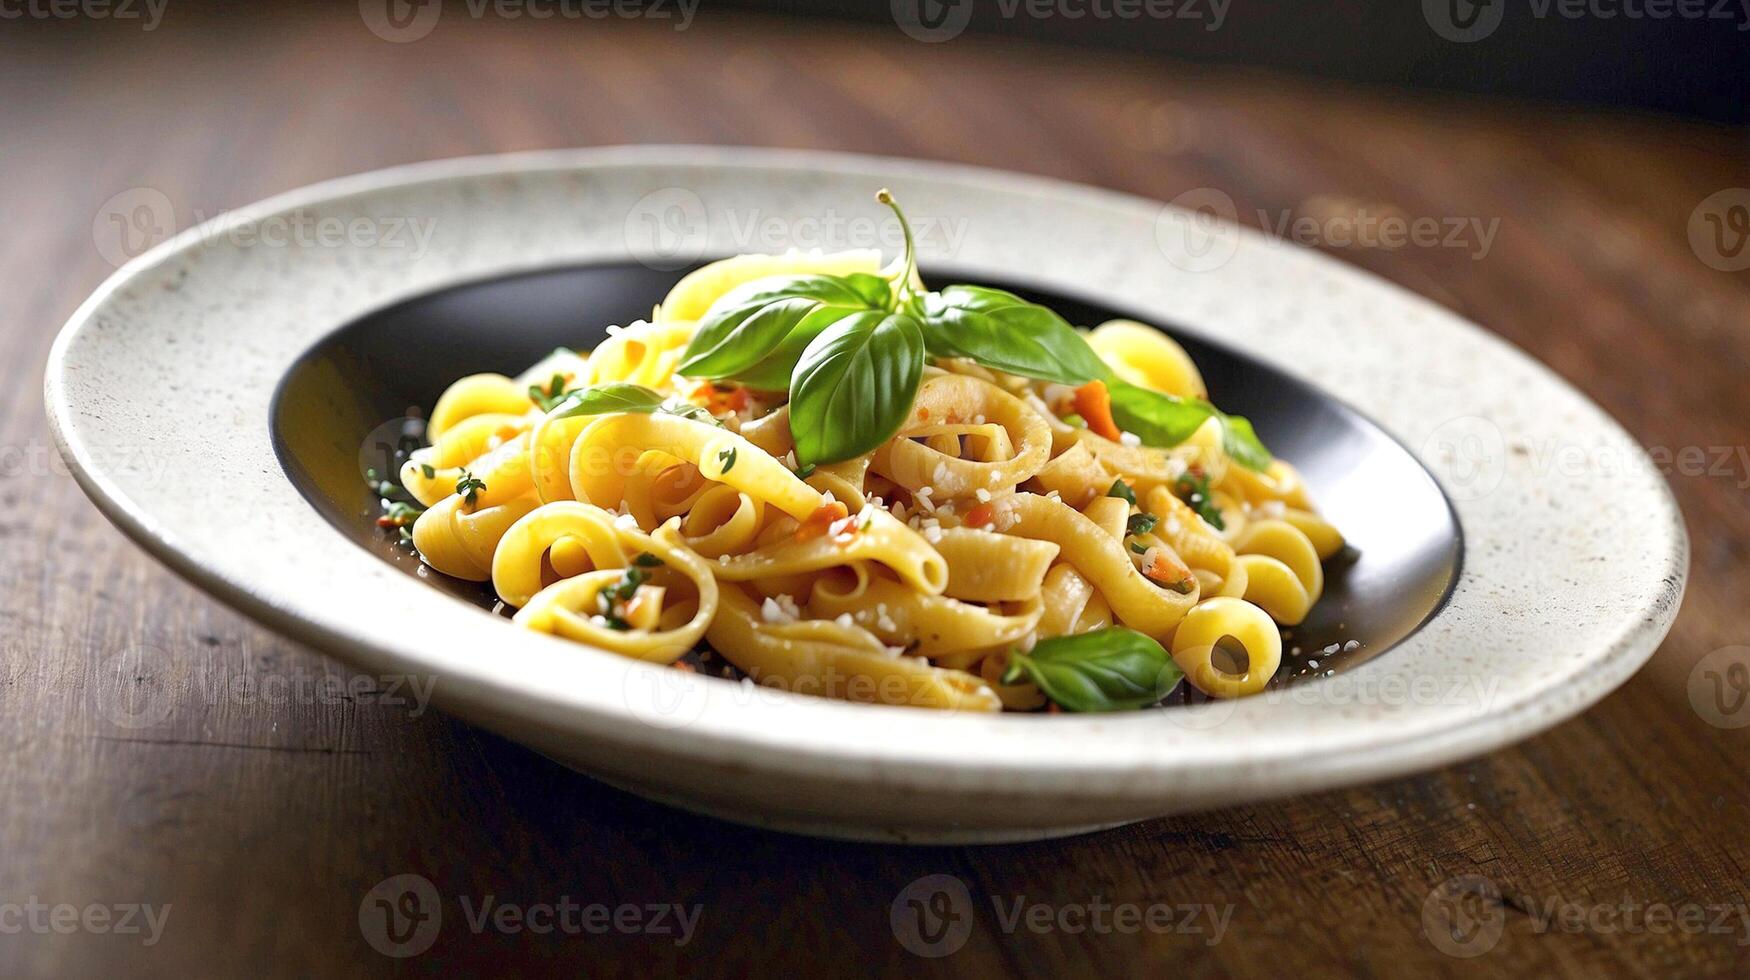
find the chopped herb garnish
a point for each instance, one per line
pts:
(1141, 524)
(398, 514)
(803, 472)
(1138, 547)
(470, 488)
(610, 601)
(428, 471)
(1075, 420)
(727, 458)
(1193, 488)
(549, 396)
(1122, 491)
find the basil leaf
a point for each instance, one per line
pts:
(1114, 669)
(877, 293)
(1166, 420)
(1003, 331)
(773, 373)
(1242, 443)
(854, 385)
(1155, 418)
(746, 324)
(606, 399)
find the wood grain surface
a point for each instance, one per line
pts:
(159, 749)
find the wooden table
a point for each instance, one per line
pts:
(263, 820)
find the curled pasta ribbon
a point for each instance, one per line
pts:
(1192, 538)
(461, 446)
(1013, 440)
(898, 614)
(1324, 536)
(1064, 595)
(1136, 601)
(505, 473)
(460, 542)
(985, 567)
(643, 354)
(610, 448)
(1194, 647)
(723, 520)
(1112, 514)
(660, 629)
(1148, 358)
(1274, 588)
(1076, 475)
(597, 541)
(1286, 544)
(879, 537)
(822, 658)
(479, 394)
(659, 488)
(1278, 482)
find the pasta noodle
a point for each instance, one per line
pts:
(920, 572)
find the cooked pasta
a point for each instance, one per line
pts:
(915, 518)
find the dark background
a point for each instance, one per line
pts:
(1691, 66)
(1698, 67)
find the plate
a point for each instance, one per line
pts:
(1517, 555)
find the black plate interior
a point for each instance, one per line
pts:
(330, 413)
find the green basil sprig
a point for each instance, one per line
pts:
(616, 397)
(1003, 331)
(776, 333)
(855, 385)
(756, 332)
(1113, 669)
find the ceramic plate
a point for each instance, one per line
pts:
(1516, 556)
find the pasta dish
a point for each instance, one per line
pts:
(846, 484)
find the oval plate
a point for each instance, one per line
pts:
(161, 392)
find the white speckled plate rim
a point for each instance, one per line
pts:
(1572, 574)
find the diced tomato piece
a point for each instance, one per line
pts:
(1161, 567)
(822, 518)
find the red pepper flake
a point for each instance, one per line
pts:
(924, 414)
(981, 516)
